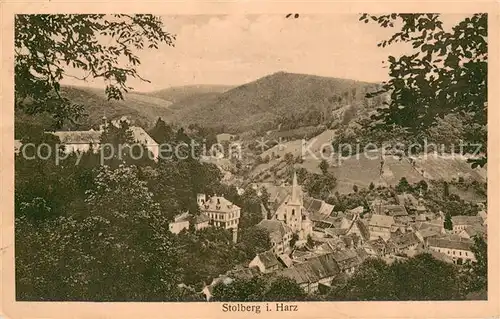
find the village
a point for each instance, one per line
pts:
(313, 244)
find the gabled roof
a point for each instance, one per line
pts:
(268, 259)
(79, 137)
(460, 244)
(483, 214)
(435, 225)
(351, 240)
(335, 231)
(286, 260)
(218, 204)
(381, 221)
(395, 210)
(428, 232)
(466, 220)
(405, 240)
(379, 245)
(141, 136)
(276, 228)
(475, 230)
(201, 218)
(313, 270)
(313, 205)
(365, 233)
(347, 259)
(181, 217)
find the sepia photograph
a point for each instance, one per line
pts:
(253, 161)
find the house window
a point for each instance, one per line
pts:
(293, 212)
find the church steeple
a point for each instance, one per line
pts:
(295, 189)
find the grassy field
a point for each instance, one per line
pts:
(361, 170)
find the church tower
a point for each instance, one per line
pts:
(296, 196)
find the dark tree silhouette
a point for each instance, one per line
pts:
(47, 45)
(445, 74)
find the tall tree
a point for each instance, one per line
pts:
(123, 251)
(445, 74)
(479, 269)
(284, 289)
(448, 224)
(48, 47)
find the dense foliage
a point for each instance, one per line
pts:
(445, 74)
(418, 278)
(85, 231)
(259, 288)
(48, 46)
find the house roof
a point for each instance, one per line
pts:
(381, 221)
(457, 243)
(362, 229)
(395, 210)
(474, 230)
(79, 137)
(268, 259)
(286, 260)
(183, 217)
(276, 228)
(140, 136)
(436, 226)
(201, 218)
(325, 247)
(313, 205)
(347, 258)
(313, 270)
(421, 218)
(218, 204)
(466, 220)
(439, 256)
(357, 210)
(378, 245)
(351, 240)
(335, 231)
(405, 240)
(483, 214)
(428, 232)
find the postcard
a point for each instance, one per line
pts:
(240, 159)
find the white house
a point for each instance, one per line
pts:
(82, 141)
(280, 235)
(221, 212)
(380, 226)
(458, 249)
(461, 222)
(266, 262)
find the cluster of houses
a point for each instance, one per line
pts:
(343, 240)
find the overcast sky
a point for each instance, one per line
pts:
(234, 49)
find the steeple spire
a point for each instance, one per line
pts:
(295, 188)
